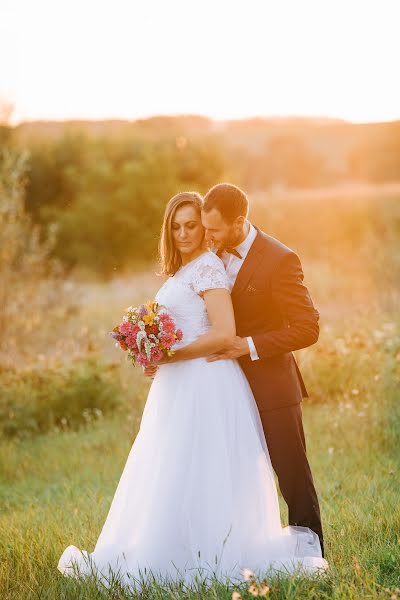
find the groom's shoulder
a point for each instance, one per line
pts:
(274, 248)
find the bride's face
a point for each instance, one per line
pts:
(187, 230)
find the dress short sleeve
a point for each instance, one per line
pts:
(209, 273)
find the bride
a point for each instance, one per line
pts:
(197, 496)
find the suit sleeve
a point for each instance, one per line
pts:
(294, 302)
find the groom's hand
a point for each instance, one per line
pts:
(240, 347)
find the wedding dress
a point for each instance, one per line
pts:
(197, 494)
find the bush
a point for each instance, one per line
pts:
(38, 400)
(34, 297)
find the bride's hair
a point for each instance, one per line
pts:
(170, 258)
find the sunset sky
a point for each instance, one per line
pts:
(99, 59)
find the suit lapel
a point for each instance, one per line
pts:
(249, 265)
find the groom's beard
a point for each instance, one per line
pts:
(232, 242)
(221, 245)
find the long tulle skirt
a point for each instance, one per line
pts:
(197, 496)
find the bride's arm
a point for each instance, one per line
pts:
(223, 329)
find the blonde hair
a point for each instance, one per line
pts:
(169, 257)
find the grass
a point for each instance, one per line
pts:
(56, 488)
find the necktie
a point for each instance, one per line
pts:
(234, 252)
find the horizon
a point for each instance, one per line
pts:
(290, 117)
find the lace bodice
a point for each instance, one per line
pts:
(180, 294)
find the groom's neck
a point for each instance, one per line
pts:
(243, 234)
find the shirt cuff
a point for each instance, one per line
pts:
(252, 348)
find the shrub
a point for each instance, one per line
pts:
(37, 400)
(34, 297)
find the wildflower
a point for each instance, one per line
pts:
(263, 589)
(253, 589)
(248, 574)
(147, 333)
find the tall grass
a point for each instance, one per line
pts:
(35, 298)
(56, 488)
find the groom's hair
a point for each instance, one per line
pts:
(228, 199)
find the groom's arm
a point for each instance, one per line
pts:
(294, 302)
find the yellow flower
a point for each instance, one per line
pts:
(151, 304)
(149, 319)
(253, 589)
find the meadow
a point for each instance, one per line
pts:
(62, 452)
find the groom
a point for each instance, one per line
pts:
(274, 315)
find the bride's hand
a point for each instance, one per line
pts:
(150, 370)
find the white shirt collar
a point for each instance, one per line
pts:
(244, 247)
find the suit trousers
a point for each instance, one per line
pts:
(283, 429)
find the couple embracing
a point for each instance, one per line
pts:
(197, 496)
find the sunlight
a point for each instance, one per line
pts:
(127, 59)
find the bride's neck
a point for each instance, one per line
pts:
(187, 258)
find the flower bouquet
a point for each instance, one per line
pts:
(147, 333)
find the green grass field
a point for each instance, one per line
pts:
(56, 488)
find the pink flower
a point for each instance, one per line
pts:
(179, 334)
(168, 327)
(141, 359)
(156, 354)
(125, 328)
(135, 330)
(130, 341)
(168, 340)
(164, 317)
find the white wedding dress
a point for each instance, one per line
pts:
(197, 496)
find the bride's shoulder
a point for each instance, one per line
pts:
(210, 258)
(208, 272)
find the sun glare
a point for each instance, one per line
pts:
(126, 59)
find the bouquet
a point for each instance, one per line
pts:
(147, 333)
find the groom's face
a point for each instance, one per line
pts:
(219, 233)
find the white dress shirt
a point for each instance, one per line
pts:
(233, 264)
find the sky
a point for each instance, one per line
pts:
(101, 59)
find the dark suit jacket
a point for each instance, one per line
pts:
(272, 304)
